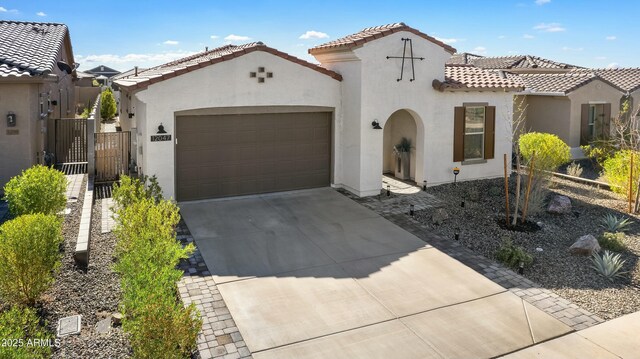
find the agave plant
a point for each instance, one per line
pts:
(608, 264)
(612, 223)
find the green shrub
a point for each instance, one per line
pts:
(550, 151)
(612, 241)
(108, 106)
(598, 152)
(512, 255)
(613, 223)
(616, 171)
(85, 113)
(22, 324)
(608, 264)
(131, 190)
(39, 189)
(29, 256)
(147, 254)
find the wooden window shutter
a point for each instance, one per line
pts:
(458, 134)
(606, 121)
(584, 125)
(489, 132)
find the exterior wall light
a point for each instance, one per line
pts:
(11, 119)
(161, 128)
(376, 125)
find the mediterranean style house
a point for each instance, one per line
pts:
(574, 103)
(249, 119)
(36, 83)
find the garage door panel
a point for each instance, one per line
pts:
(231, 155)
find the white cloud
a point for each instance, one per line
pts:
(14, 11)
(610, 38)
(449, 40)
(171, 42)
(502, 37)
(234, 38)
(542, 2)
(40, 13)
(125, 62)
(213, 37)
(613, 65)
(480, 50)
(527, 36)
(312, 34)
(551, 27)
(566, 48)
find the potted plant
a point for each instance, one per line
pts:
(403, 153)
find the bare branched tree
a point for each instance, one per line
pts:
(517, 112)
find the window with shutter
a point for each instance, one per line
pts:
(474, 133)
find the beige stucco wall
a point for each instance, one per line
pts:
(550, 114)
(226, 84)
(18, 151)
(595, 91)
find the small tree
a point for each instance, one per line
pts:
(107, 105)
(39, 189)
(29, 255)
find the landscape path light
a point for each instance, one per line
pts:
(456, 170)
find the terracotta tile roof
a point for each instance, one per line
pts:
(625, 79)
(467, 77)
(203, 59)
(556, 83)
(372, 33)
(508, 62)
(30, 48)
(463, 58)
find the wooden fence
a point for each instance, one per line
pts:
(70, 140)
(113, 152)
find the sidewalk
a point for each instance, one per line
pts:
(617, 338)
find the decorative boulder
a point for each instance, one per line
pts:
(439, 216)
(585, 246)
(559, 205)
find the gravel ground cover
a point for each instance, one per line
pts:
(93, 292)
(481, 230)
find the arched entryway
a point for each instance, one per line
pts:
(401, 124)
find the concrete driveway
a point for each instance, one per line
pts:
(312, 274)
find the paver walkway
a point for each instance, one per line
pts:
(74, 185)
(220, 337)
(107, 221)
(311, 274)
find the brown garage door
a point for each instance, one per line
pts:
(231, 155)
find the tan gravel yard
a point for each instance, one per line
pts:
(553, 268)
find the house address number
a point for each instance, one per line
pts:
(160, 138)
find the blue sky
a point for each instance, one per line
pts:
(122, 34)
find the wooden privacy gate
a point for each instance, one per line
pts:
(70, 140)
(113, 152)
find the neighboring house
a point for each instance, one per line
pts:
(33, 89)
(103, 70)
(116, 89)
(86, 93)
(513, 63)
(575, 103)
(251, 119)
